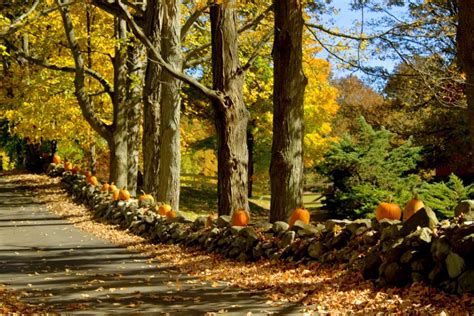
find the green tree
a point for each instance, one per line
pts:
(366, 169)
(443, 197)
(417, 109)
(357, 99)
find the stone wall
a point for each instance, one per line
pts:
(390, 252)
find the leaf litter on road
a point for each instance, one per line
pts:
(333, 289)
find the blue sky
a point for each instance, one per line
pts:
(346, 20)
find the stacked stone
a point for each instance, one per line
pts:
(390, 252)
(424, 249)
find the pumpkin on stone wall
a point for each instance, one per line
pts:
(112, 188)
(240, 217)
(388, 210)
(124, 195)
(164, 209)
(105, 187)
(146, 198)
(115, 195)
(171, 214)
(300, 214)
(56, 159)
(92, 180)
(412, 206)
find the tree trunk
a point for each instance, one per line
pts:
(170, 150)
(231, 115)
(250, 146)
(135, 62)
(89, 21)
(118, 145)
(465, 43)
(151, 100)
(286, 167)
(92, 159)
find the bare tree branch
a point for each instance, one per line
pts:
(19, 21)
(115, 10)
(197, 61)
(257, 50)
(190, 21)
(359, 37)
(256, 21)
(83, 99)
(252, 23)
(26, 18)
(94, 74)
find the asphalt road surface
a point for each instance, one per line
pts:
(74, 272)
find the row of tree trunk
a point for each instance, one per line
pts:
(158, 87)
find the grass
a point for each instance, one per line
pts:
(199, 198)
(310, 200)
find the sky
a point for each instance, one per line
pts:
(347, 19)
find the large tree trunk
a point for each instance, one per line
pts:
(151, 100)
(170, 151)
(135, 63)
(89, 21)
(465, 43)
(286, 168)
(231, 115)
(250, 146)
(118, 145)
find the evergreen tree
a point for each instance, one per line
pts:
(367, 169)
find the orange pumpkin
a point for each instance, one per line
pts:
(124, 195)
(115, 195)
(112, 188)
(67, 165)
(300, 214)
(93, 180)
(146, 197)
(240, 217)
(88, 174)
(412, 206)
(56, 159)
(164, 209)
(210, 219)
(171, 214)
(388, 211)
(105, 187)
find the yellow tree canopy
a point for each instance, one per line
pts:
(43, 105)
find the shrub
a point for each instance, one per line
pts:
(367, 169)
(443, 197)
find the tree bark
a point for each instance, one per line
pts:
(135, 63)
(465, 47)
(250, 146)
(118, 156)
(286, 167)
(231, 115)
(151, 99)
(89, 21)
(170, 150)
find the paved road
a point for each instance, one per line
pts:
(69, 269)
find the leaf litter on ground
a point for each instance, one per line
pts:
(319, 288)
